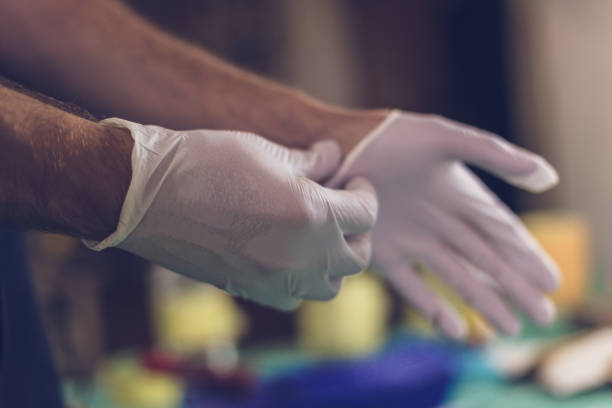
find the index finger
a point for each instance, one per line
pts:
(489, 151)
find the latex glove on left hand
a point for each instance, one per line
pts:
(434, 211)
(242, 213)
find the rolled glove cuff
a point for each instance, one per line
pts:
(340, 178)
(151, 146)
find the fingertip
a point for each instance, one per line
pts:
(363, 184)
(553, 280)
(547, 275)
(330, 146)
(545, 313)
(336, 283)
(549, 311)
(542, 178)
(360, 183)
(454, 327)
(357, 206)
(361, 245)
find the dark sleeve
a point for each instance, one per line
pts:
(27, 376)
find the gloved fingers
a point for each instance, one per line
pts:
(470, 244)
(356, 207)
(508, 236)
(317, 163)
(360, 247)
(515, 165)
(455, 271)
(356, 258)
(322, 287)
(538, 307)
(412, 287)
(523, 293)
(286, 293)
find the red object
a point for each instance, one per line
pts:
(239, 379)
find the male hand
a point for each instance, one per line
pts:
(243, 213)
(435, 212)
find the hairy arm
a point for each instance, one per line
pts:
(103, 56)
(60, 172)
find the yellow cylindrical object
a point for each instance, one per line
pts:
(565, 236)
(354, 323)
(128, 385)
(197, 318)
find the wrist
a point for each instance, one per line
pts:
(59, 172)
(110, 165)
(88, 175)
(348, 126)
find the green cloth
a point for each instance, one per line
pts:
(498, 394)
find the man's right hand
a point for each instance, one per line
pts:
(243, 213)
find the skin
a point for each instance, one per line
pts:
(70, 175)
(145, 75)
(141, 74)
(60, 172)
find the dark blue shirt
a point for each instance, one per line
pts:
(27, 376)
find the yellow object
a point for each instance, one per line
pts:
(565, 236)
(130, 386)
(478, 329)
(353, 323)
(197, 318)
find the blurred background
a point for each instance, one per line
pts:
(539, 73)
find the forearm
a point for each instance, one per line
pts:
(112, 61)
(59, 172)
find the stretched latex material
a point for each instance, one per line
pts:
(243, 214)
(435, 212)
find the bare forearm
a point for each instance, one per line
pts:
(107, 58)
(59, 172)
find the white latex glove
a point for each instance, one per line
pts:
(435, 212)
(243, 213)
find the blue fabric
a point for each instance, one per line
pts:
(415, 373)
(27, 376)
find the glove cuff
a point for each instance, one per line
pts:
(151, 144)
(339, 179)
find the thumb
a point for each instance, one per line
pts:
(356, 207)
(513, 164)
(317, 163)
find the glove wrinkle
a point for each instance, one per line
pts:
(235, 210)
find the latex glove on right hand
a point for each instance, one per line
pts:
(244, 214)
(435, 212)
